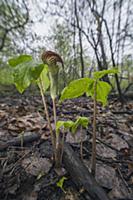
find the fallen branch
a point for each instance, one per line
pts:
(128, 112)
(27, 138)
(81, 176)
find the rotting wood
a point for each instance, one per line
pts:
(128, 112)
(80, 175)
(27, 138)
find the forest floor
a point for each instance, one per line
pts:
(26, 166)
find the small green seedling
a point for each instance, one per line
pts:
(81, 122)
(95, 88)
(60, 183)
(61, 127)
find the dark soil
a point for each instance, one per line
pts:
(27, 170)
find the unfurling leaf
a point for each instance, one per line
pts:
(60, 183)
(80, 122)
(76, 88)
(64, 125)
(72, 126)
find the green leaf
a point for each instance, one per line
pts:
(64, 124)
(60, 183)
(44, 79)
(100, 74)
(75, 89)
(13, 62)
(90, 90)
(102, 91)
(81, 121)
(25, 73)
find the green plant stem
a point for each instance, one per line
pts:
(54, 111)
(53, 74)
(58, 151)
(47, 114)
(93, 162)
(53, 84)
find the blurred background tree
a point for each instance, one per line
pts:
(14, 16)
